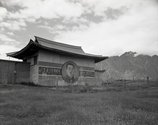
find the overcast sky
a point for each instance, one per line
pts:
(102, 27)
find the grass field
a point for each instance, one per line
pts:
(112, 105)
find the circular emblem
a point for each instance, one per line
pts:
(70, 72)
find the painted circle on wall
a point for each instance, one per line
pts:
(70, 72)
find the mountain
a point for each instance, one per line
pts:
(129, 66)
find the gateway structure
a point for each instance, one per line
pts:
(53, 63)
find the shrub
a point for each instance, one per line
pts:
(28, 83)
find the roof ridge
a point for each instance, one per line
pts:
(58, 43)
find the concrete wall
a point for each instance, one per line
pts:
(33, 67)
(34, 74)
(47, 56)
(30, 71)
(14, 72)
(48, 59)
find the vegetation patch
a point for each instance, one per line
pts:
(25, 105)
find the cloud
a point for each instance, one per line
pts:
(10, 33)
(5, 38)
(3, 13)
(100, 6)
(105, 27)
(13, 24)
(6, 49)
(115, 13)
(74, 12)
(64, 25)
(136, 30)
(26, 11)
(47, 9)
(7, 44)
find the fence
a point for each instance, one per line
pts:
(14, 72)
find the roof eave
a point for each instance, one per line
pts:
(19, 53)
(36, 45)
(99, 59)
(96, 58)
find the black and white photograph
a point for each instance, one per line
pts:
(78, 62)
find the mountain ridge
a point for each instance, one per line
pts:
(129, 66)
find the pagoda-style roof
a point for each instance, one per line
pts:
(56, 47)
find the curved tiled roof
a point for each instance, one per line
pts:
(60, 48)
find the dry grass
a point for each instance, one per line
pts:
(24, 105)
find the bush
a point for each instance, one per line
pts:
(28, 83)
(78, 89)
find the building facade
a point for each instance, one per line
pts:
(58, 64)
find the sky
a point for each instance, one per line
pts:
(101, 27)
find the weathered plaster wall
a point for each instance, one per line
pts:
(34, 74)
(46, 56)
(33, 68)
(47, 59)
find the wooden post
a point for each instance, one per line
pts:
(147, 78)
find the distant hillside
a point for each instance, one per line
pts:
(129, 67)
